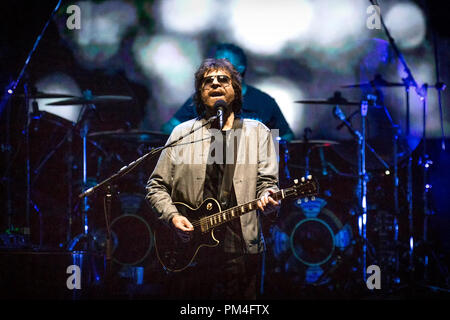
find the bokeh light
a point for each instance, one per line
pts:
(285, 92)
(323, 43)
(59, 83)
(172, 62)
(406, 23)
(266, 29)
(103, 26)
(336, 22)
(187, 16)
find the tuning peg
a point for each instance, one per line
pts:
(305, 200)
(303, 179)
(309, 177)
(313, 198)
(295, 181)
(299, 201)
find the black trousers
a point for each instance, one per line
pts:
(218, 276)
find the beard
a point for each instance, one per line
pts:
(210, 112)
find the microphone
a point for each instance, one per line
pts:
(220, 107)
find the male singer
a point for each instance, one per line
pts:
(244, 167)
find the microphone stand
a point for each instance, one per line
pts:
(12, 87)
(7, 95)
(439, 86)
(108, 184)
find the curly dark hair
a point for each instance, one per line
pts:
(212, 64)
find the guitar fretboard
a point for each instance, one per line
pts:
(227, 215)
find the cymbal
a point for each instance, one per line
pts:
(378, 81)
(90, 100)
(44, 95)
(131, 135)
(316, 143)
(336, 99)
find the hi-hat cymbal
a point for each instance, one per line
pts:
(336, 99)
(316, 143)
(378, 81)
(45, 95)
(90, 100)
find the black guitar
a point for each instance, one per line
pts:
(176, 254)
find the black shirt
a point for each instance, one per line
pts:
(229, 234)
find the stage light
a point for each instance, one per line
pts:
(59, 83)
(171, 62)
(187, 16)
(285, 92)
(266, 27)
(406, 23)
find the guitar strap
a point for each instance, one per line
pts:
(227, 179)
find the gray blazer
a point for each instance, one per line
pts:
(179, 175)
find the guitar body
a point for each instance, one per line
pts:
(176, 254)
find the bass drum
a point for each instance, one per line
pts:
(313, 239)
(131, 231)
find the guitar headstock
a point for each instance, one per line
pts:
(307, 188)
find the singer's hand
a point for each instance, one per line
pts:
(183, 227)
(267, 204)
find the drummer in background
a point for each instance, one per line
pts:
(256, 104)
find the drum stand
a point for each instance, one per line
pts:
(362, 181)
(362, 175)
(425, 163)
(409, 184)
(83, 126)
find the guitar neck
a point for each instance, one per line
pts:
(227, 215)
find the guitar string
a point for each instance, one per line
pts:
(229, 211)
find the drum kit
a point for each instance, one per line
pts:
(354, 222)
(365, 192)
(76, 158)
(346, 219)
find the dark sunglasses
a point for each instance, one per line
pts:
(222, 79)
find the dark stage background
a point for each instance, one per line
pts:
(149, 51)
